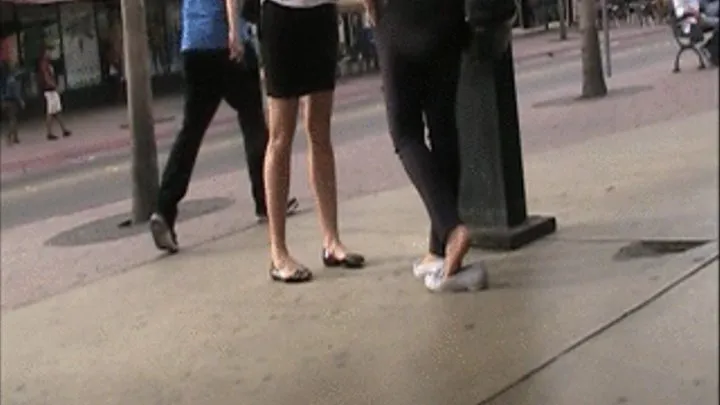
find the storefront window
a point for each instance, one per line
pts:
(172, 21)
(40, 31)
(157, 40)
(109, 29)
(8, 34)
(80, 45)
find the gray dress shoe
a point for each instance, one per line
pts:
(472, 277)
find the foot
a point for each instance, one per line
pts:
(163, 235)
(52, 137)
(457, 247)
(473, 277)
(427, 265)
(337, 255)
(66, 133)
(292, 208)
(288, 270)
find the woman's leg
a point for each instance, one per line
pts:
(407, 90)
(321, 164)
(440, 118)
(282, 120)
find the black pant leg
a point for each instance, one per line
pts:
(203, 92)
(244, 94)
(406, 85)
(440, 117)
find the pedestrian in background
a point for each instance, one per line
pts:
(47, 81)
(219, 64)
(299, 44)
(420, 45)
(12, 98)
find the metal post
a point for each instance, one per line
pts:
(139, 96)
(606, 35)
(492, 190)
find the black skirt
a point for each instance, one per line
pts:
(299, 49)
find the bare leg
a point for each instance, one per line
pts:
(458, 244)
(60, 122)
(48, 124)
(282, 121)
(321, 163)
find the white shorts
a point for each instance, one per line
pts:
(53, 105)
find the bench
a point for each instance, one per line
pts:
(687, 41)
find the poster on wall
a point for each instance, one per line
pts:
(80, 44)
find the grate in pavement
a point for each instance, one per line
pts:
(653, 248)
(108, 229)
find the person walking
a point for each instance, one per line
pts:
(217, 65)
(299, 46)
(12, 98)
(420, 45)
(47, 80)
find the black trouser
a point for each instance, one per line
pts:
(420, 89)
(210, 77)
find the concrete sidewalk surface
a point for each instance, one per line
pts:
(665, 354)
(207, 327)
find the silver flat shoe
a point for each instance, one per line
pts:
(472, 277)
(420, 269)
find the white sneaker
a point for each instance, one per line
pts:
(422, 269)
(472, 277)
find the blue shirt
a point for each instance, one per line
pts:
(205, 26)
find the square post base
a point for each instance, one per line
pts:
(505, 238)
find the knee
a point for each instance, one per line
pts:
(279, 141)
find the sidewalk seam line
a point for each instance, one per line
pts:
(602, 328)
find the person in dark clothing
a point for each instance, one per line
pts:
(217, 65)
(420, 45)
(12, 99)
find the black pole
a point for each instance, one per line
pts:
(492, 192)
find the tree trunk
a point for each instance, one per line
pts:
(139, 99)
(593, 79)
(561, 9)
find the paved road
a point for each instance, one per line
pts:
(106, 179)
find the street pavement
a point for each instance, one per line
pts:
(97, 179)
(565, 321)
(31, 270)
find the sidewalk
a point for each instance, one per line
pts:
(207, 327)
(101, 131)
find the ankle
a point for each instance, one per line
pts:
(431, 257)
(331, 243)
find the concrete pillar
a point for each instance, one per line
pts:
(492, 192)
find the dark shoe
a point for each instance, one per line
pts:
(66, 134)
(350, 261)
(299, 275)
(163, 236)
(52, 137)
(292, 208)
